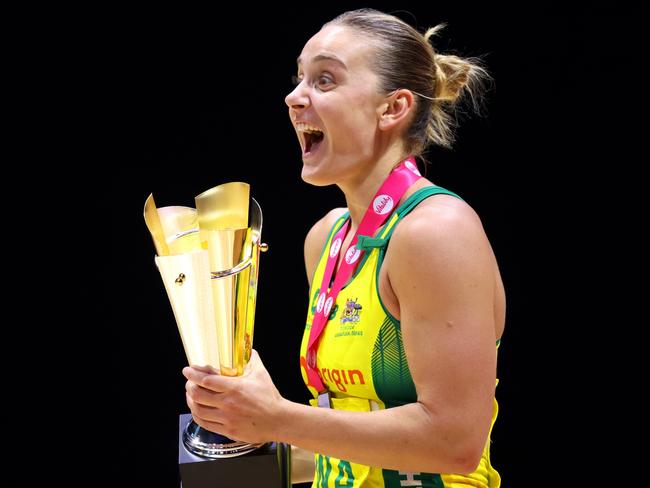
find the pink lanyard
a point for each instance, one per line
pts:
(390, 192)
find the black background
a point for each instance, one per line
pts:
(199, 101)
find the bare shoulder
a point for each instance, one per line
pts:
(316, 237)
(442, 217)
(440, 236)
(440, 264)
(319, 231)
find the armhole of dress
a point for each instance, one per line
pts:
(403, 210)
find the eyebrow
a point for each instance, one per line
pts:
(325, 57)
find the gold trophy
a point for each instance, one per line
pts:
(208, 258)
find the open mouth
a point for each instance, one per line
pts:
(311, 137)
(313, 140)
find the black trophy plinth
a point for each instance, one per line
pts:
(268, 466)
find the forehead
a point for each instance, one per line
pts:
(352, 48)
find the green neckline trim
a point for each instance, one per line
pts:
(325, 246)
(335, 228)
(414, 200)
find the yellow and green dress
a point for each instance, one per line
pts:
(362, 363)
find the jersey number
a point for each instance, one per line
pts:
(324, 470)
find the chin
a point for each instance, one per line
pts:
(312, 176)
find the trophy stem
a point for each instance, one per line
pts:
(208, 444)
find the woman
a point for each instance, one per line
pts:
(400, 345)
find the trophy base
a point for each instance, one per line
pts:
(212, 445)
(268, 465)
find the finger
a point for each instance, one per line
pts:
(213, 427)
(204, 413)
(212, 382)
(206, 369)
(252, 363)
(202, 395)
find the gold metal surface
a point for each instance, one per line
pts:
(224, 207)
(180, 225)
(225, 248)
(210, 270)
(154, 225)
(192, 305)
(223, 223)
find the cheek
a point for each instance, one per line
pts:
(352, 124)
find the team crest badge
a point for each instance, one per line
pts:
(351, 312)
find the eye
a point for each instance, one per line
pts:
(324, 81)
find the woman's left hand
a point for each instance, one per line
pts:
(247, 408)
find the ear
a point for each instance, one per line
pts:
(395, 109)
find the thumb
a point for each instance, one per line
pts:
(253, 363)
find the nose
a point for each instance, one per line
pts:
(298, 98)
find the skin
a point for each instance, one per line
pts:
(444, 286)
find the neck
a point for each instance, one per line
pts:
(360, 190)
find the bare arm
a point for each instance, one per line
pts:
(443, 278)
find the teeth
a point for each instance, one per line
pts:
(302, 127)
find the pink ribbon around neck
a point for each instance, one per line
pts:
(381, 207)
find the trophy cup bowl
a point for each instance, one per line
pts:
(211, 283)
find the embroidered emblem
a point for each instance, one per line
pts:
(351, 311)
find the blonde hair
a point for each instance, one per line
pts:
(406, 59)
